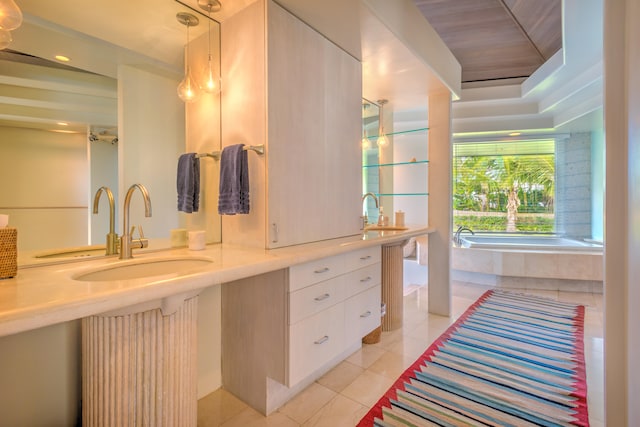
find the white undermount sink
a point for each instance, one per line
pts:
(137, 269)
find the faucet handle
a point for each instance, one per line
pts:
(140, 242)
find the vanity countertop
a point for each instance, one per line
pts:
(45, 295)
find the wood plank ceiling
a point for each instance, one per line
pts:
(495, 40)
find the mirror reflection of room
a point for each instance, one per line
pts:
(58, 138)
(109, 117)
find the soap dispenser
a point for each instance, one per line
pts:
(383, 220)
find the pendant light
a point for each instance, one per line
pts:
(365, 139)
(10, 15)
(382, 137)
(5, 39)
(210, 78)
(188, 89)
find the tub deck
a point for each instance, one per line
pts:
(529, 262)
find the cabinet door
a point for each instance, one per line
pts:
(314, 103)
(308, 301)
(362, 314)
(315, 341)
(362, 279)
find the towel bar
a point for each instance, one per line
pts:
(216, 154)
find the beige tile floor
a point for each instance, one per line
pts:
(344, 394)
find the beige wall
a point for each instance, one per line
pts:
(151, 138)
(44, 186)
(40, 382)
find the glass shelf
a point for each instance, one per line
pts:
(402, 132)
(395, 164)
(401, 194)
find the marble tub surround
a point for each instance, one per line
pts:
(529, 269)
(47, 295)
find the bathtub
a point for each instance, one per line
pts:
(529, 262)
(528, 242)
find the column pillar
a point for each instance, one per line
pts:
(140, 368)
(392, 294)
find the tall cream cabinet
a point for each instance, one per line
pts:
(290, 88)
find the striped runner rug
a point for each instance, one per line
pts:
(509, 360)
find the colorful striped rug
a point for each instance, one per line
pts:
(509, 360)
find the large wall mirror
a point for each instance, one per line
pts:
(108, 117)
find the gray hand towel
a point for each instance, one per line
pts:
(234, 181)
(188, 183)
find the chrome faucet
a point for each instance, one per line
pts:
(365, 217)
(126, 241)
(460, 229)
(112, 237)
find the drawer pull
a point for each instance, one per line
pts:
(322, 340)
(367, 314)
(322, 297)
(364, 258)
(322, 270)
(366, 279)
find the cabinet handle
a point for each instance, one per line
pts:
(322, 340)
(322, 297)
(322, 270)
(274, 226)
(366, 279)
(364, 258)
(367, 314)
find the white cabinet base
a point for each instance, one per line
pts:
(140, 368)
(278, 394)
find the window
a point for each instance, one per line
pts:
(504, 186)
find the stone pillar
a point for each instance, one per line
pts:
(139, 368)
(392, 294)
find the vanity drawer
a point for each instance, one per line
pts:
(311, 272)
(308, 301)
(362, 314)
(363, 257)
(362, 279)
(315, 341)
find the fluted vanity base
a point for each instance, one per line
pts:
(140, 369)
(392, 294)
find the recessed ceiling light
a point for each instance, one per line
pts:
(63, 124)
(515, 134)
(62, 58)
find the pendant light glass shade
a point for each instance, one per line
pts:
(10, 15)
(211, 81)
(210, 77)
(5, 39)
(382, 136)
(382, 140)
(188, 89)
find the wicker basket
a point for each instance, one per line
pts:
(373, 337)
(8, 252)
